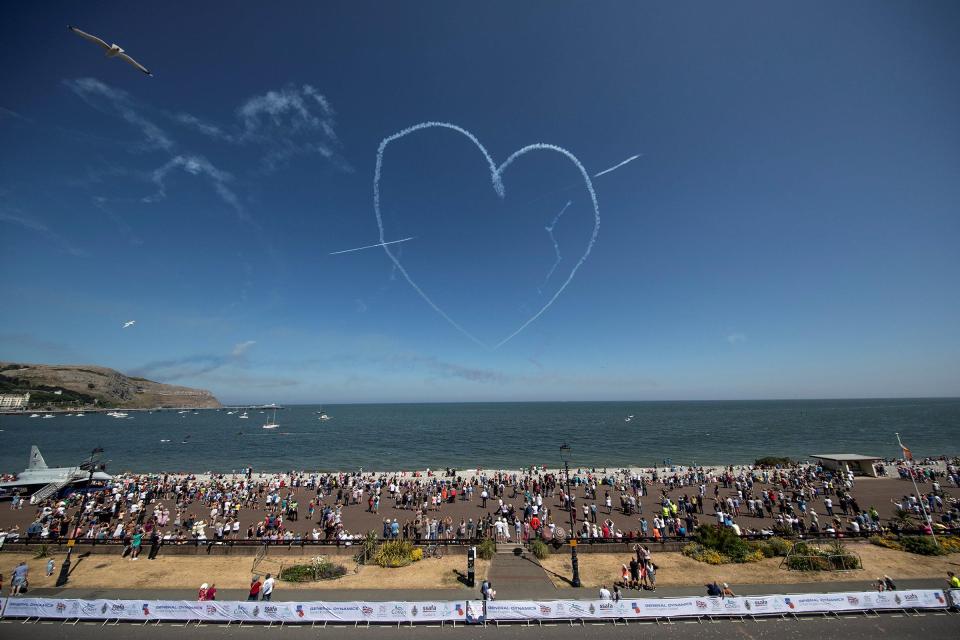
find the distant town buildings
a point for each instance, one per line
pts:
(14, 400)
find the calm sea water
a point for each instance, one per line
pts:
(492, 435)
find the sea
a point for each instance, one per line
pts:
(395, 437)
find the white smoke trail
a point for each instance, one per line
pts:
(556, 245)
(617, 166)
(371, 246)
(496, 174)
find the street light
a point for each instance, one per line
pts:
(91, 466)
(565, 455)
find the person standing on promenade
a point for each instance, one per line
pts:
(267, 589)
(605, 593)
(255, 585)
(19, 579)
(953, 580)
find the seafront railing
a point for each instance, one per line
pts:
(453, 542)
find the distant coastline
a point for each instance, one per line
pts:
(61, 387)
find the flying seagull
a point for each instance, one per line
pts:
(113, 51)
(129, 323)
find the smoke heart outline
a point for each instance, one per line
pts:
(496, 176)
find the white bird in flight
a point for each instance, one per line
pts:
(129, 323)
(113, 50)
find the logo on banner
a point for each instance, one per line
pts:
(88, 608)
(593, 609)
(300, 612)
(146, 609)
(103, 609)
(544, 609)
(853, 600)
(939, 597)
(61, 607)
(413, 611)
(256, 611)
(366, 610)
(398, 611)
(746, 603)
(428, 610)
(789, 603)
(574, 607)
(897, 599)
(700, 605)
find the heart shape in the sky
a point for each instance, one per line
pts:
(496, 176)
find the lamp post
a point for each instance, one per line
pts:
(565, 455)
(64, 575)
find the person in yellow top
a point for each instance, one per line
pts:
(953, 580)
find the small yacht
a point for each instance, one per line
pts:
(272, 424)
(47, 415)
(244, 416)
(79, 415)
(322, 415)
(35, 415)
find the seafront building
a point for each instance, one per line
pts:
(14, 400)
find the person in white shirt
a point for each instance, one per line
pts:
(605, 593)
(266, 591)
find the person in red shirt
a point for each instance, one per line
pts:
(255, 585)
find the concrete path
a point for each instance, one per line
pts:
(519, 576)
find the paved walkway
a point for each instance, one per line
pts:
(519, 576)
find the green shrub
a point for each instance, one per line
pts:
(394, 553)
(368, 547)
(42, 552)
(886, 542)
(774, 547)
(835, 557)
(540, 549)
(486, 549)
(921, 545)
(950, 544)
(297, 573)
(723, 541)
(320, 568)
(700, 553)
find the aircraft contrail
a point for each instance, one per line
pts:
(556, 245)
(371, 246)
(496, 177)
(617, 166)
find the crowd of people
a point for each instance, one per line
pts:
(655, 505)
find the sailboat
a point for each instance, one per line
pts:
(272, 424)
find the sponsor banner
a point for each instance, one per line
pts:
(224, 611)
(398, 611)
(955, 598)
(475, 614)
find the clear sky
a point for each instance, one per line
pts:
(790, 229)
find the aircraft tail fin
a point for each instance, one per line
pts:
(36, 460)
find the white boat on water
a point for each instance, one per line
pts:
(35, 415)
(79, 415)
(322, 415)
(230, 413)
(117, 414)
(271, 424)
(628, 418)
(47, 416)
(244, 416)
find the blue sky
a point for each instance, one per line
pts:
(790, 230)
